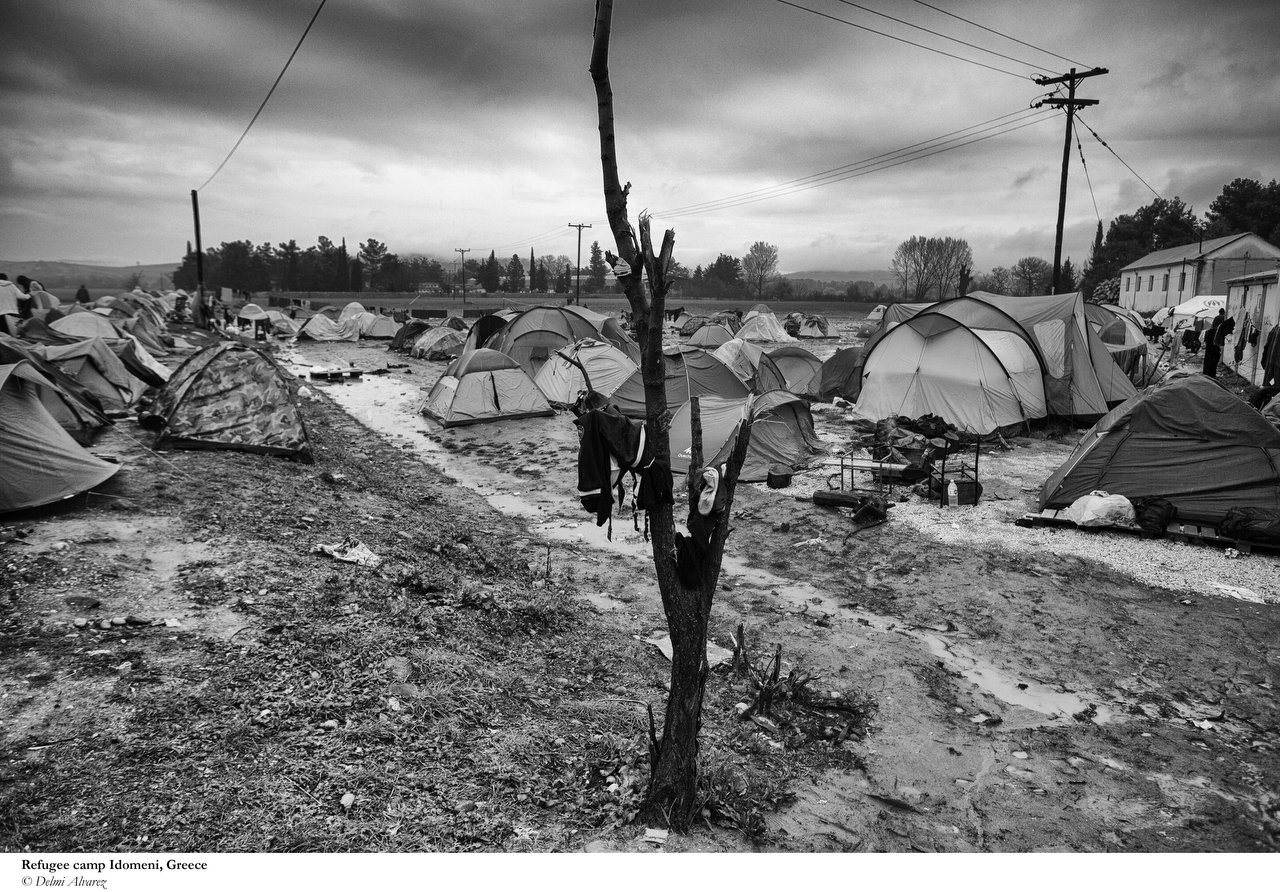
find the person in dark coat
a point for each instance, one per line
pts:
(1213, 345)
(82, 295)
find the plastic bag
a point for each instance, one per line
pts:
(1101, 509)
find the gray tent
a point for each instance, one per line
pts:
(1188, 440)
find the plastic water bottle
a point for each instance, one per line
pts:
(953, 494)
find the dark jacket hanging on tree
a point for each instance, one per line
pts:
(610, 440)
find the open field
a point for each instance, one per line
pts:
(1024, 690)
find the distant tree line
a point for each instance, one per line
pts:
(328, 266)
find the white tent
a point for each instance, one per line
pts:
(761, 325)
(484, 385)
(373, 325)
(978, 380)
(561, 377)
(1185, 314)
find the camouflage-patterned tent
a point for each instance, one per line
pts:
(230, 396)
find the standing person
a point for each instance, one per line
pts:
(1213, 345)
(82, 295)
(9, 314)
(24, 297)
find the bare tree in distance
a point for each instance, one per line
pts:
(1032, 275)
(925, 265)
(759, 266)
(673, 782)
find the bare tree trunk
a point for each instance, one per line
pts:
(673, 791)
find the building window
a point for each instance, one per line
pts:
(1126, 283)
(1137, 283)
(1164, 285)
(1151, 283)
(1182, 281)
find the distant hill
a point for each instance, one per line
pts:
(874, 276)
(65, 274)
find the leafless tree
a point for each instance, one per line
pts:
(925, 265)
(673, 790)
(759, 266)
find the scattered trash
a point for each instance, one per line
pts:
(1239, 591)
(716, 655)
(656, 836)
(348, 800)
(352, 551)
(816, 542)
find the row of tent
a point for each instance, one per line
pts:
(759, 325)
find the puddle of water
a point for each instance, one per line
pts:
(390, 407)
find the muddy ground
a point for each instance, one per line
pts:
(484, 688)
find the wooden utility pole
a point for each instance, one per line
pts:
(1072, 79)
(579, 227)
(195, 210)
(463, 252)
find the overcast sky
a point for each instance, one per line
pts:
(432, 125)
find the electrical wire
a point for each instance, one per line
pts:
(532, 240)
(1118, 158)
(980, 49)
(885, 163)
(1080, 149)
(279, 77)
(1001, 34)
(845, 167)
(902, 40)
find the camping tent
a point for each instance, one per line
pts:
(83, 324)
(73, 406)
(1202, 307)
(561, 377)
(230, 396)
(976, 379)
(321, 327)
(282, 324)
(486, 327)
(373, 325)
(761, 325)
(354, 308)
(438, 343)
(752, 365)
(841, 375)
(407, 335)
(484, 385)
(1188, 440)
(1123, 338)
(781, 433)
(807, 325)
(691, 371)
(801, 368)
(710, 335)
(96, 367)
(40, 463)
(532, 336)
(610, 330)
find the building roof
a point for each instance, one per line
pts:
(1192, 251)
(1263, 276)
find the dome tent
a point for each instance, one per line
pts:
(321, 327)
(1188, 440)
(40, 463)
(801, 368)
(437, 343)
(230, 396)
(781, 433)
(976, 379)
(761, 325)
(710, 335)
(97, 368)
(609, 330)
(530, 337)
(752, 365)
(407, 335)
(561, 377)
(351, 310)
(691, 371)
(484, 385)
(841, 375)
(375, 326)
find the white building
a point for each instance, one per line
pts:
(1167, 278)
(1253, 301)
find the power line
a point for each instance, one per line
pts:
(268, 98)
(1118, 158)
(938, 34)
(1087, 179)
(1001, 34)
(843, 167)
(886, 163)
(543, 236)
(902, 39)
